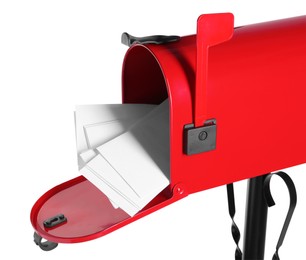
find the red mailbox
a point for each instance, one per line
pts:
(237, 111)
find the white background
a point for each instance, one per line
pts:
(57, 54)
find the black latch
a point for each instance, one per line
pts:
(54, 221)
(128, 39)
(200, 139)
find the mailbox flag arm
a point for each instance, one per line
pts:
(212, 29)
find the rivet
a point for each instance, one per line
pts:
(203, 135)
(179, 190)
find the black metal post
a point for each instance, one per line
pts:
(256, 221)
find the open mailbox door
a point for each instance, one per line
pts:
(234, 96)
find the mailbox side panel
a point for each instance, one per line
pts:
(257, 94)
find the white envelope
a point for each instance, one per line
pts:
(102, 175)
(141, 155)
(88, 155)
(134, 167)
(97, 124)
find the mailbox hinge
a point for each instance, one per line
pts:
(200, 139)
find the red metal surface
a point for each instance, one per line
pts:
(89, 212)
(255, 88)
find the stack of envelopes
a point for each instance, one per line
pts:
(124, 151)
